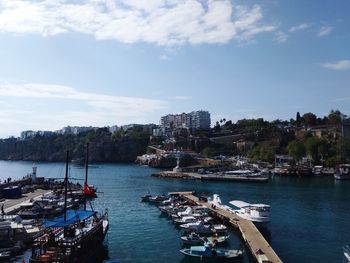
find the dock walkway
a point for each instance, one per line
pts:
(251, 235)
(211, 177)
(12, 205)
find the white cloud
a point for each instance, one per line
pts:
(281, 37)
(324, 31)
(181, 97)
(99, 109)
(163, 57)
(35, 90)
(246, 22)
(299, 27)
(339, 65)
(160, 22)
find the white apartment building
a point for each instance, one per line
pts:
(195, 120)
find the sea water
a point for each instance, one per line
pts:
(310, 217)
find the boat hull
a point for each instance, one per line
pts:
(212, 253)
(201, 240)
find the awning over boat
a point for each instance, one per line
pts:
(239, 204)
(73, 216)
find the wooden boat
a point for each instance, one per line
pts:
(210, 252)
(74, 236)
(195, 239)
(303, 170)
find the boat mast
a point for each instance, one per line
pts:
(86, 163)
(86, 171)
(342, 137)
(65, 188)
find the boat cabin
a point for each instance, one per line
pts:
(253, 212)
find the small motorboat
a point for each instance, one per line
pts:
(185, 220)
(347, 252)
(210, 252)
(195, 239)
(146, 198)
(5, 254)
(157, 199)
(165, 208)
(200, 228)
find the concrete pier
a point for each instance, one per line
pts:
(257, 244)
(12, 205)
(211, 177)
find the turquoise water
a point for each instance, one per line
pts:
(310, 217)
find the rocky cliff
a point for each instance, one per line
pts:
(104, 147)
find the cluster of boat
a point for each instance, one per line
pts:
(17, 231)
(44, 223)
(341, 172)
(202, 235)
(57, 226)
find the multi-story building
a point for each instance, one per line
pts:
(200, 120)
(30, 134)
(75, 130)
(195, 120)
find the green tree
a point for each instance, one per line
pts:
(334, 117)
(316, 148)
(254, 153)
(296, 149)
(309, 119)
(298, 119)
(208, 152)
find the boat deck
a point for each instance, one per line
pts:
(251, 235)
(12, 205)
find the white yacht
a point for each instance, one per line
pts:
(257, 213)
(216, 202)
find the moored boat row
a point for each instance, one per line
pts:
(199, 229)
(56, 225)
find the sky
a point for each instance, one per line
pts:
(115, 62)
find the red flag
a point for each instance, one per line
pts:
(88, 191)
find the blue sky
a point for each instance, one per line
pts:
(114, 62)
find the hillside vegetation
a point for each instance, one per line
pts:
(104, 146)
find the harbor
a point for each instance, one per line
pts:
(197, 215)
(11, 206)
(49, 217)
(257, 244)
(131, 240)
(211, 177)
